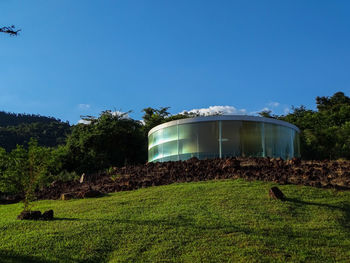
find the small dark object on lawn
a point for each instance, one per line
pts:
(47, 215)
(29, 215)
(276, 193)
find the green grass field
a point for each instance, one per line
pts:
(216, 221)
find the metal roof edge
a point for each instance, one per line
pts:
(223, 118)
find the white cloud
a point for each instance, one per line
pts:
(120, 113)
(286, 110)
(273, 104)
(213, 110)
(84, 122)
(84, 106)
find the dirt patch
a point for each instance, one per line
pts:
(326, 174)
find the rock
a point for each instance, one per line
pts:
(296, 161)
(276, 193)
(47, 215)
(234, 163)
(29, 215)
(295, 171)
(36, 215)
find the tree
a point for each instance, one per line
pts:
(325, 132)
(112, 139)
(266, 114)
(153, 117)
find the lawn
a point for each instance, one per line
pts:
(215, 221)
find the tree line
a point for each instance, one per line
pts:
(18, 129)
(113, 139)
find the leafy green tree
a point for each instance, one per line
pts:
(153, 117)
(22, 171)
(266, 114)
(14, 166)
(325, 132)
(109, 140)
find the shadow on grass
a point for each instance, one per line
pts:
(344, 208)
(7, 256)
(11, 257)
(181, 221)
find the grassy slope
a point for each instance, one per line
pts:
(217, 221)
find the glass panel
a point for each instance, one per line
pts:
(157, 137)
(296, 143)
(231, 138)
(270, 131)
(188, 138)
(199, 140)
(239, 138)
(150, 140)
(162, 136)
(170, 148)
(162, 143)
(281, 141)
(251, 139)
(169, 134)
(284, 142)
(208, 138)
(156, 152)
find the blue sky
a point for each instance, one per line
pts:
(80, 57)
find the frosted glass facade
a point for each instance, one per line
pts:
(220, 137)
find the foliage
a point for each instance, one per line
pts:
(267, 114)
(214, 221)
(110, 140)
(13, 170)
(19, 128)
(65, 176)
(325, 134)
(153, 117)
(13, 119)
(22, 170)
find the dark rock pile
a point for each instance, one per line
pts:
(35, 215)
(326, 174)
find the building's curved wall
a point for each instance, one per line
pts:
(211, 137)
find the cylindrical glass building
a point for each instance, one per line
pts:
(223, 136)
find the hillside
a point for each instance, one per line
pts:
(19, 128)
(213, 221)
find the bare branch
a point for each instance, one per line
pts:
(9, 30)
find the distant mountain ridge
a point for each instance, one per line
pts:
(12, 119)
(19, 128)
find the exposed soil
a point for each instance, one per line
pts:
(326, 174)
